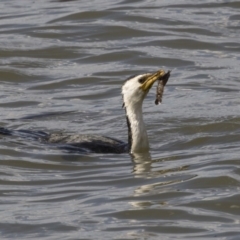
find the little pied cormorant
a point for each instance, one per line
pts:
(134, 90)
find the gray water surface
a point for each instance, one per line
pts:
(62, 65)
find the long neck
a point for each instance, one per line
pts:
(137, 134)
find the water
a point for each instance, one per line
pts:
(62, 64)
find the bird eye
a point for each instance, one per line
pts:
(142, 79)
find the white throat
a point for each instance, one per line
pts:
(137, 132)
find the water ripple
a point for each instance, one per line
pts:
(62, 64)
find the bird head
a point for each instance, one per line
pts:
(136, 88)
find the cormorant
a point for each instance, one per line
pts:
(134, 90)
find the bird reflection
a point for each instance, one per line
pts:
(142, 168)
(142, 162)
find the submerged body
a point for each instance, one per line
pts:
(79, 143)
(134, 91)
(88, 143)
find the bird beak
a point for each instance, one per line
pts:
(152, 78)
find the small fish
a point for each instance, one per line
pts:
(160, 87)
